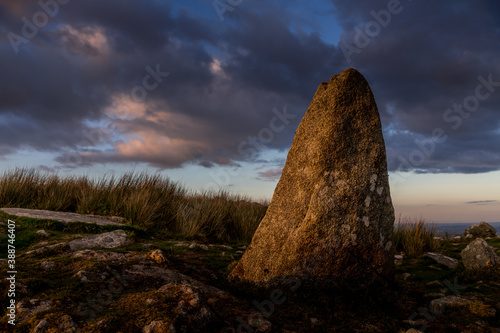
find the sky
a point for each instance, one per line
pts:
(210, 93)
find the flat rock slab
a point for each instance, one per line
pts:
(442, 259)
(108, 240)
(63, 216)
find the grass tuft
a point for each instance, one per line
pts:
(414, 237)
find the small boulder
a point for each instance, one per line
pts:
(39, 328)
(478, 254)
(42, 233)
(157, 256)
(86, 276)
(28, 308)
(109, 240)
(435, 284)
(158, 326)
(480, 230)
(398, 259)
(47, 265)
(67, 325)
(195, 246)
(315, 321)
(262, 325)
(224, 247)
(442, 259)
(438, 305)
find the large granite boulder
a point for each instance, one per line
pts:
(330, 221)
(478, 254)
(481, 230)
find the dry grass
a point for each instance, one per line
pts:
(414, 236)
(151, 201)
(162, 206)
(221, 216)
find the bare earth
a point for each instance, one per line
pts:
(63, 216)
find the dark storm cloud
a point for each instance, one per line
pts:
(55, 83)
(225, 79)
(268, 55)
(63, 77)
(425, 60)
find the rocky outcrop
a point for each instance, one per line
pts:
(114, 257)
(108, 240)
(480, 230)
(331, 216)
(28, 308)
(478, 254)
(59, 247)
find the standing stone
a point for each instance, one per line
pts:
(330, 221)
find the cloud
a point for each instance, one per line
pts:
(94, 56)
(483, 202)
(426, 60)
(225, 78)
(87, 41)
(272, 174)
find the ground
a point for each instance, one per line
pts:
(121, 290)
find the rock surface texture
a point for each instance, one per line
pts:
(330, 221)
(63, 216)
(478, 254)
(481, 230)
(108, 240)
